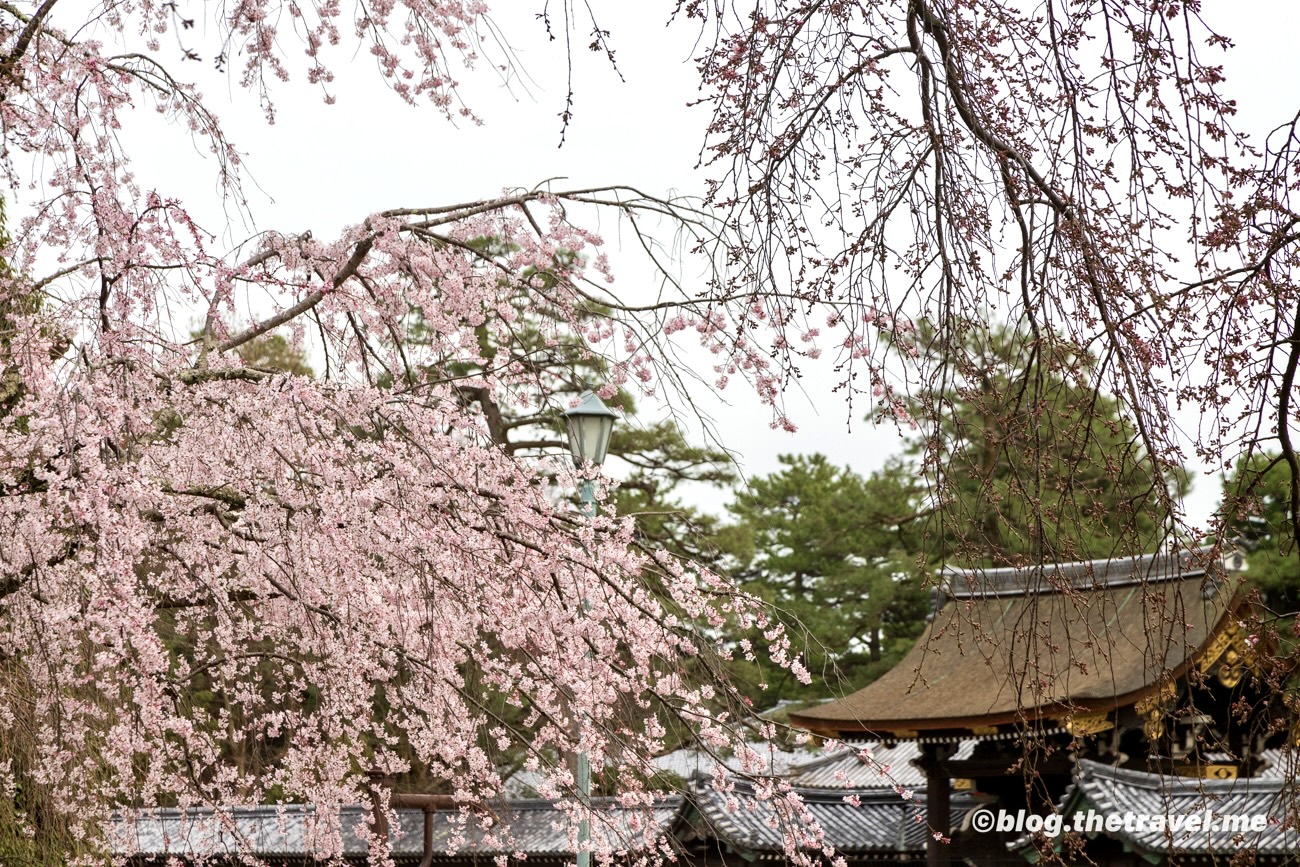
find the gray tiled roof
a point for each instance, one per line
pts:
(536, 828)
(845, 770)
(1110, 791)
(967, 582)
(882, 821)
(688, 763)
(685, 763)
(1279, 764)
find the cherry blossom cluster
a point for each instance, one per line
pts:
(224, 584)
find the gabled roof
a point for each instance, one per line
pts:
(534, 827)
(874, 822)
(1015, 645)
(1115, 791)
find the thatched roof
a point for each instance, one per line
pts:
(1018, 645)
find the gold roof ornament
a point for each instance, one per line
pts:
(1231, 652)
(1155, 709)
(1084, 724)
(1208, 772)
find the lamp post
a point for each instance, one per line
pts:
(589, 425)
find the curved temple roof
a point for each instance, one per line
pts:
(873, 821)
(1012, 645)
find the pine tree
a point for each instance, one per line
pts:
(1256, 497)
(1037, 466)
(830, 550)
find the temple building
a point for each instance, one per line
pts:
(1043, 688)
(1099, 713)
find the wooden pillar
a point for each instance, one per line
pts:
(938, 795)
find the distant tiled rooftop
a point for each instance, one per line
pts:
(535, 828)
(846, 770)
(863, 823)
(684, 763)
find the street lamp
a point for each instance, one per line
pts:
(589, 425)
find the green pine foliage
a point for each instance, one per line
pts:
(830, 551)
(1028, 463)
(1035, 467)
(1257, 510)
(274, 354)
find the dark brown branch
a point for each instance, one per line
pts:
(1284, 399)
(23, 42)
(340, 277)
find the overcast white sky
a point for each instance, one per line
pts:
(322, 167)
